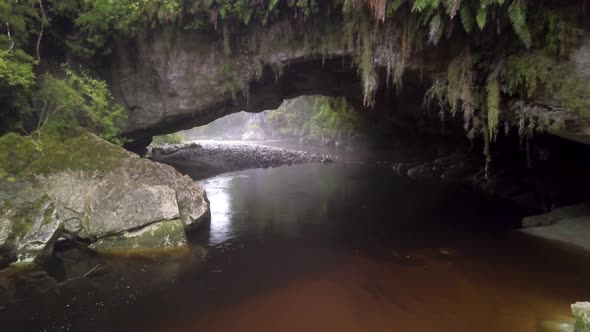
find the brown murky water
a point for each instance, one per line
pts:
(318, 248)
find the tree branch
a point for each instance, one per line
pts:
(42, 29)
(10, 41)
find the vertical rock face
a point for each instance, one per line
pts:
(580, 59)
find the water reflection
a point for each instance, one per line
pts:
(221, 208)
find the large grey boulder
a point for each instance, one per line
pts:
(93, 190)
(134, 194)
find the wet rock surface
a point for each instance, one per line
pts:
(161, 235)
(28, 230)
(468, 169)
(547, 174)
(208, 158)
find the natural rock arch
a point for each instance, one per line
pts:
(171, 79)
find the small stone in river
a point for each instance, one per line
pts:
(581, 312)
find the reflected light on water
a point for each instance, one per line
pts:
(221, 213)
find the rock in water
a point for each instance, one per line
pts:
(162, 235)
(129, 193)
(93, 190)
(28, 230)
(581, 312)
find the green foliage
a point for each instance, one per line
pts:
(556, 29)
(19, 23)
(525, 72)
(16, 69)
(174, 138)
(516, 13)
(22, 19)
(334, 120)
(17, 80)
(473, 12)
(317, 119)
(98, 21)
(456, 91)
(77, 100)
(536, 74)
(16, 152)
(467, 18)
(460, 80)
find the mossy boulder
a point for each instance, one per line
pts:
(162, 235)
(93, 190)
(581, 312)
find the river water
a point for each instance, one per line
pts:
(318, 248)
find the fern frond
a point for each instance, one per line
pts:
(516, 14)
(421, 5)
(393, 6)
(452, 7)
(481, 17)
(436, 30)
(467, 18)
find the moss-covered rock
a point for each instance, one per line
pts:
(28, 229)
(92, 189)
(162, 235)
(581, 312)
(16, 153)
(109, 182)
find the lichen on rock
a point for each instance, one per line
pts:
(161, 235)
(581, 312)
(28, 229)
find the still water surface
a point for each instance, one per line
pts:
(319, 248)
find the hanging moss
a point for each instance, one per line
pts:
(537, 74)
(493, 107)
(524, 73)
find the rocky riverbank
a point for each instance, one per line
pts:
(208, 158)
(548, 173)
